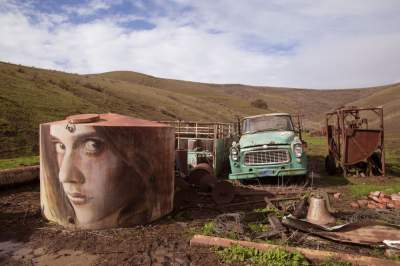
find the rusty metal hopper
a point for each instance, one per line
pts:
(361, 144)
(355, 139)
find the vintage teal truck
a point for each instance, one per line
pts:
(269, 145)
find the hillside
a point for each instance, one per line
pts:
(30, 96)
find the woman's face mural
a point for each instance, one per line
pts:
(90, 172)
(95, 176)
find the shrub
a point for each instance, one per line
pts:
(94, 87)
(260, 103)
(208, 229)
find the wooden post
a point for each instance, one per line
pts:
(318, 255)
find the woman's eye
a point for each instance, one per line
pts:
(93, 147)
(60, 147)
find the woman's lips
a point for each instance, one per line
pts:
(78, 198)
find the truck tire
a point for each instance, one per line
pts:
(330, 165)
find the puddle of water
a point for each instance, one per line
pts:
(17, 252)
(7, 248)
(66, 257)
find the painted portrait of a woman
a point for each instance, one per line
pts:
(94, 175)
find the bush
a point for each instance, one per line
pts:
(260, 103)
(208, 229)
(94, 87)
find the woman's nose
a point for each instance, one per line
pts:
(69, 171)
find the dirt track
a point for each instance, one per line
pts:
(28, 239)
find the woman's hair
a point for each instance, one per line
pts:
(54, 201)
(126, 144)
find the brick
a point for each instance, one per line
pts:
(384, 200)
(381, 206)
(374, 198)
(337, 195)
(390, 206)
(395, 197)
(375, 193)
(396, 203)
(362, 203)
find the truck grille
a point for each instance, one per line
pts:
(266, 157)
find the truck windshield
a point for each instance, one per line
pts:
(267, 123)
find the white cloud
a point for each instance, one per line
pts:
(89, 8)
(335, 44)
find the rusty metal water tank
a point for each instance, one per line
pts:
(105, 171)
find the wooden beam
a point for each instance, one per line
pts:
(318, 255)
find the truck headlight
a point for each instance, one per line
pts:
(298, 149)
(235, 154)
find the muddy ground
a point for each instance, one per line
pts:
(26, 238)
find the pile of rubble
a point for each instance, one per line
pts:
(378, 200)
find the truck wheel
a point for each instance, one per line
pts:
(330, 165)
(376, 164)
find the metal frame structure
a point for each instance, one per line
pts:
(208, 140)
(352, 143)
(299, 120)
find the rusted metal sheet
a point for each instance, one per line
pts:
(107, 170)
(361, 144)
(181, 161)
(362, 233)
(355, 141)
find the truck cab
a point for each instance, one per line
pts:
(269, 145)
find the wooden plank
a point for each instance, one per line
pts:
(318, 255)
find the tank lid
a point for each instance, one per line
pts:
(83, 118)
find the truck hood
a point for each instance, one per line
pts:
(266, 138)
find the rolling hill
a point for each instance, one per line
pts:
(30, 96)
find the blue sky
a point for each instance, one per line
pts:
(287, 43)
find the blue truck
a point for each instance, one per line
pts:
(269, 146)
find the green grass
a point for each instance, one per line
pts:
(258, 227)
(208, 229)
(252, 256)
(392, 152)
(18, 162)
(272, 210)
(363, 189)
(334, 262)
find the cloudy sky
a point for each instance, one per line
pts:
(290, 43)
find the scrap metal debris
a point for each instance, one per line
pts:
(392, 243)
(318, 212)
(384, 215)
(363, 233)
(229, 223)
